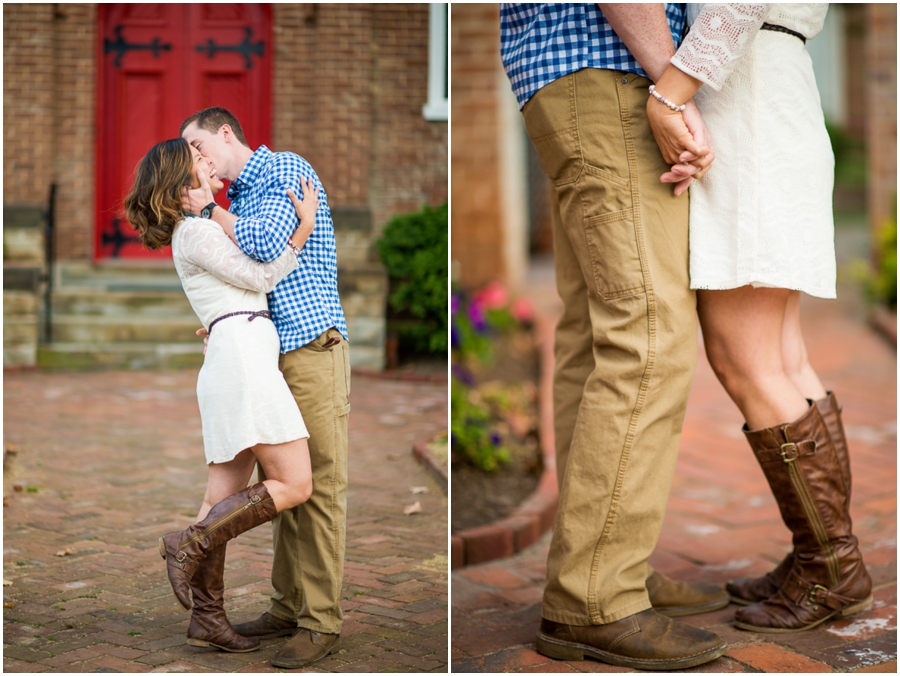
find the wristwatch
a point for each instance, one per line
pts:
(206, 212)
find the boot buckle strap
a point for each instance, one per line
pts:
(789, 451)
(180, 556)
(817, 594)
(255, 499)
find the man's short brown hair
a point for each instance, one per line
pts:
(212, 119)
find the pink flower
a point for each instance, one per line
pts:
(493, 297)
(522, 310)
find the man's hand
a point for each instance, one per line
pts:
(194, 199)
(205, 334)
(683, 174)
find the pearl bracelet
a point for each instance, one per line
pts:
(662, 99)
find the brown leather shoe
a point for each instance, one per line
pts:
(674, 598)
(747, 590)
(266, 626)
(209, 624)
(306, 647)
(646, 640)
(828, 578)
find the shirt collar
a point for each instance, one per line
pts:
(250, 172)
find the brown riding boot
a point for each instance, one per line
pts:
(209, 624)
(185, 550)
(747, 590)
(646, 640)
(827, 578)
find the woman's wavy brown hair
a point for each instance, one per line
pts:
(153, 206)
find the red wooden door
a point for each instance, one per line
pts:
(158, 64)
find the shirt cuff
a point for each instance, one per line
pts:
(244, 236)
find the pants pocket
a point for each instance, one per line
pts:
(585, 154)
(615, 261)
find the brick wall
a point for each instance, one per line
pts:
(881, 95)
(28, 102)
(476, 220)
(75, 35)
(48, 103)
(350, 83)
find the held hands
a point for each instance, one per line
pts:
(194, 199)
(683, 141)
(306, 211)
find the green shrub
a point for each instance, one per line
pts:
(883, 284)
(849, 156)
(471, 429)
(879, 281)
(413, 248)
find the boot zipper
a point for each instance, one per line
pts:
(228, 517)
(812, 514)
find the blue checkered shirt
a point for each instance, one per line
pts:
(305, 304)
(540, 43)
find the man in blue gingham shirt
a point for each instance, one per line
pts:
(542, 42)
(308, 540)
(306, 302)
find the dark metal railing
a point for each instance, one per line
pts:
(50, 254)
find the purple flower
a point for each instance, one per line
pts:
(462, 375)
(454, 337)
(476, 316)
(496, 439)
(454, 305)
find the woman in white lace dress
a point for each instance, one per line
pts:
(762, 231)
(246, 408)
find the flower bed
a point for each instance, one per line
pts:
(496, 460)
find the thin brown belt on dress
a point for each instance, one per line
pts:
(253, 315)
(782, 29)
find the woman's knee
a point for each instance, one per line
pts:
(738, 369)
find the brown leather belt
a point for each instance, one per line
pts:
(782, 29)
(253, 315)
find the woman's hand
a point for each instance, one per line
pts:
(682, 137)
(194, 199)
(306, 211)
(689, 169)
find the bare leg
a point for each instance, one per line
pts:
(286, 465)
(288, 472)
(796, 361)
(742, 331)
(226, 478)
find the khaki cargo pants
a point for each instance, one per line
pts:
(626, 346)
(309, 540)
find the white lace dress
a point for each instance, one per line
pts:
(244, 399)
(763, 213)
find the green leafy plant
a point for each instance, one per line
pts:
(880, 280)
(471, 429)
(413, 248)
(849, 156)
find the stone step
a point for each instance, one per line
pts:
(124, 329)
(97, 356)
(136, 303)
(117, 276)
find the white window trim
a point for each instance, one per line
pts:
(436, 108)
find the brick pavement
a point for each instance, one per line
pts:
(722, 522)
(110, 461)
